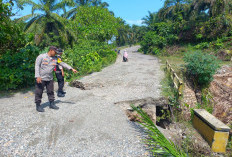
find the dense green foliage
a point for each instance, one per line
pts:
(72, 13)
(11, 35)
(88, 56)
(94, 23)
(156, 39)
(187, 21)
(17, 69)
(128, 35)
(201, 67)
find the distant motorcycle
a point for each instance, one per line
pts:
(125, 57)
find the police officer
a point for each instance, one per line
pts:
(60, 75)
(44, 66)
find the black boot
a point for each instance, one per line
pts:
(63, 92)
(39, 108)
(53, 106)
(59, 94)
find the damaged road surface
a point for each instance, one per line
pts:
(89, 122)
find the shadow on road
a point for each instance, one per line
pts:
(46, 104)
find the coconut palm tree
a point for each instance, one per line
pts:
(150, 19)
(139, 32)
(175, 10)
(214, 7)
(123, 33)
(47, 24)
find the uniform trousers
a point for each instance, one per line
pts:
(39, 87)
(60, 80)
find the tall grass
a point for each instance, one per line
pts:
(157, 141)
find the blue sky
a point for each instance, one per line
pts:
(132, 11)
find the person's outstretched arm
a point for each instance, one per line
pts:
(66, 66)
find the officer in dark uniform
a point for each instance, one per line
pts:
(60, 74)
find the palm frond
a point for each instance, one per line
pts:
(40, 36)
(58, 6)
(105, 5)
(157, 139)
(25, 18)
(71, 13)
(60, 24)
(26, 2)
(37, 7)
(32, 21)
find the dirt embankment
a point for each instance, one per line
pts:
(221, 89)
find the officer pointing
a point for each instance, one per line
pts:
(44, 66)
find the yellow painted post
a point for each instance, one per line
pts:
(176, 81)
(213, 130)
(180, 89)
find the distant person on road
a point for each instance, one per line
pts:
(60, 75)
(125, 56)
(44, 66)
(119, 52)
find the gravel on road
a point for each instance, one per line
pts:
(88, 123)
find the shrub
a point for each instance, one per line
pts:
(218, 44)
(88, 56)
(108, 56)
(155, 51)
(201, 67)
(152, 40)
(90, 63)
(203, 45)
(17, 69)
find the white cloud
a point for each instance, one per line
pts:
(134, 22)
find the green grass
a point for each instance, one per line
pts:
(176, 63)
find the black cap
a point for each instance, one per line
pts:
(60, 51)
(54, 48)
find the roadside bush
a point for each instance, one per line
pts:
(18, 69)
(108, 56)
(215, 27)
(160, 35)
(90, 63)
(88, 56)
(155, 51)
(218, 44)
(152, 40)
(203, 45)
(201, 67)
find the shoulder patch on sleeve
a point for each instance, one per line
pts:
(59, 60)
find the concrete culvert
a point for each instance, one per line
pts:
(149, 105)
